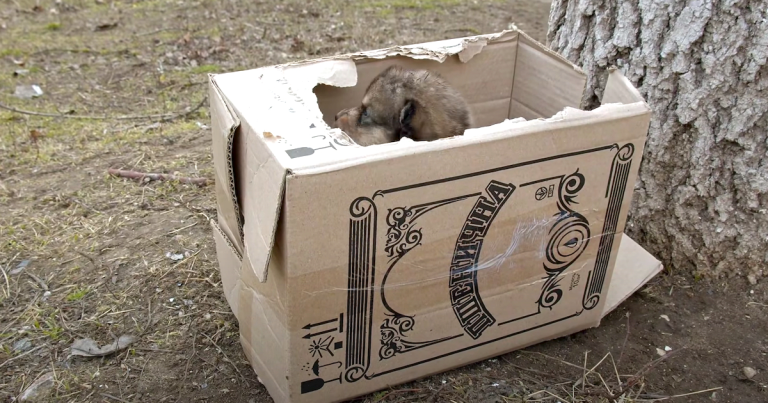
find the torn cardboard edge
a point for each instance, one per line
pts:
(621, 99)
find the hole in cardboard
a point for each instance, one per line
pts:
(506, 80)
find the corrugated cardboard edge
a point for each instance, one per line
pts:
(230, 262)
(634, 268)
(224, 124)
(465, 48)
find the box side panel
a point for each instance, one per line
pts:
(485, 81)
(421, 263)
(229, 267)
(544, 84)
(224, 124)
(263, 317)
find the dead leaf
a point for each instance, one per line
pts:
(89, 348)
(35, 135)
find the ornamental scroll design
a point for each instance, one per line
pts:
(614, 192)
(403, 235)
(568, 238)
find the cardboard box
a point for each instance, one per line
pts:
(352, 268)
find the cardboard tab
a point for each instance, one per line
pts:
(635, 267)
(618, 89)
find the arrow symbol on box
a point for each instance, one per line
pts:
(311, 325)
(311, 335)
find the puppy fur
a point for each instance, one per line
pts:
(398, 103)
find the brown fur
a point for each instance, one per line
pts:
(398, 103)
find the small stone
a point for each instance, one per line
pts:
(752, 279)
(21, 266)
(22, 345)
(749, 372)
(28, 91)
(38, 388)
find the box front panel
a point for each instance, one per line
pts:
(438, 272)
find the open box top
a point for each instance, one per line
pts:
(272, 122)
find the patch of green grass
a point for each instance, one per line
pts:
(53, 26)
(49, 327)
(11, 52)
(78, 294)
(205, 69)
(413, 4)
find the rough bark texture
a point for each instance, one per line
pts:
(701, 202)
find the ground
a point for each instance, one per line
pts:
(84, 254)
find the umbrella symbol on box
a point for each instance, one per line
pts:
(316, 366)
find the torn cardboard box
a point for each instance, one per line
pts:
(352, 268)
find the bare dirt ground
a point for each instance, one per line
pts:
(83, 254)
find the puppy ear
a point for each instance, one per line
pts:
(406, 116)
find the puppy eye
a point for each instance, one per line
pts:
(365, 113)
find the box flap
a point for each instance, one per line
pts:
(634, 268)
(249, 202)
(224, 124)
(544, 83)
(260, 183)
(618, 89)
(230, 262)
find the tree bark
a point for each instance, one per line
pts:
(701, 201)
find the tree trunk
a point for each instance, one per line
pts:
(701, 201)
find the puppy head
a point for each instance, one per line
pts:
(385, 114)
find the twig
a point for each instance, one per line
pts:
(41, 283)
(156, 177)
(531, 370)
(114, 398)
(654, 398)
(7, 290)
(436, 394)
(647, 367)
(186, 367)
(98, 267)
(182, 229)
(626, 338)
(22, 355)
(163, 117)
(225, 355)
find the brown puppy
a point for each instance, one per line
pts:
(399, 103)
